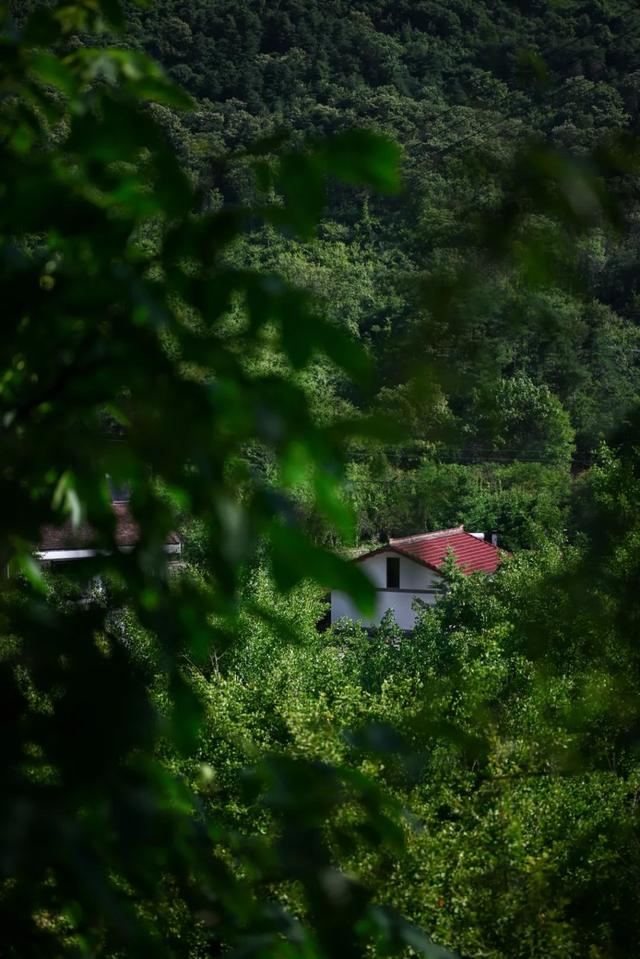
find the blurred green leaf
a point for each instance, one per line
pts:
(295, 558)
(52, 70)
(364, 158)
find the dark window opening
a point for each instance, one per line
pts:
(120, 492)
(393, 572)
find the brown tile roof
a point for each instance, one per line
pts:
(83, 537)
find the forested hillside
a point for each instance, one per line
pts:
(235, 312)
(462, 86)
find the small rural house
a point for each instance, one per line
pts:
(406, 569)
(67, 543)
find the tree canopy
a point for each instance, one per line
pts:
(465, 89)
(300, 276)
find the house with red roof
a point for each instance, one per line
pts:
(406, 573)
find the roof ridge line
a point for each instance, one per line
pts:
(420, 537)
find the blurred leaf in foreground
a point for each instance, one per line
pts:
(115, 362)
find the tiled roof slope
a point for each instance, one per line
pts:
(472, 555)
(83, 536)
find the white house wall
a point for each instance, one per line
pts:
(416, 581)
(412, 575)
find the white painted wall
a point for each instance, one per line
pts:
(413, 579)
(412, 575)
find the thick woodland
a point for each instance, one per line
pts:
(374, 272)
(530, 362)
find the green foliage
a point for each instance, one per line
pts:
(523, 421)
(498, 262)
(118, 362)
(485, 729)
(527, 502)
(190, 767)
(464, 89)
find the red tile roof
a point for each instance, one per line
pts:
(472, 555)
(82, 537)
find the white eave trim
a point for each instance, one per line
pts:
(51, 555)
(61, 555)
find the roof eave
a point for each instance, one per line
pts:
(401, 552)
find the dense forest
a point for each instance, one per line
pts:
(299, 276)
(509, 376)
